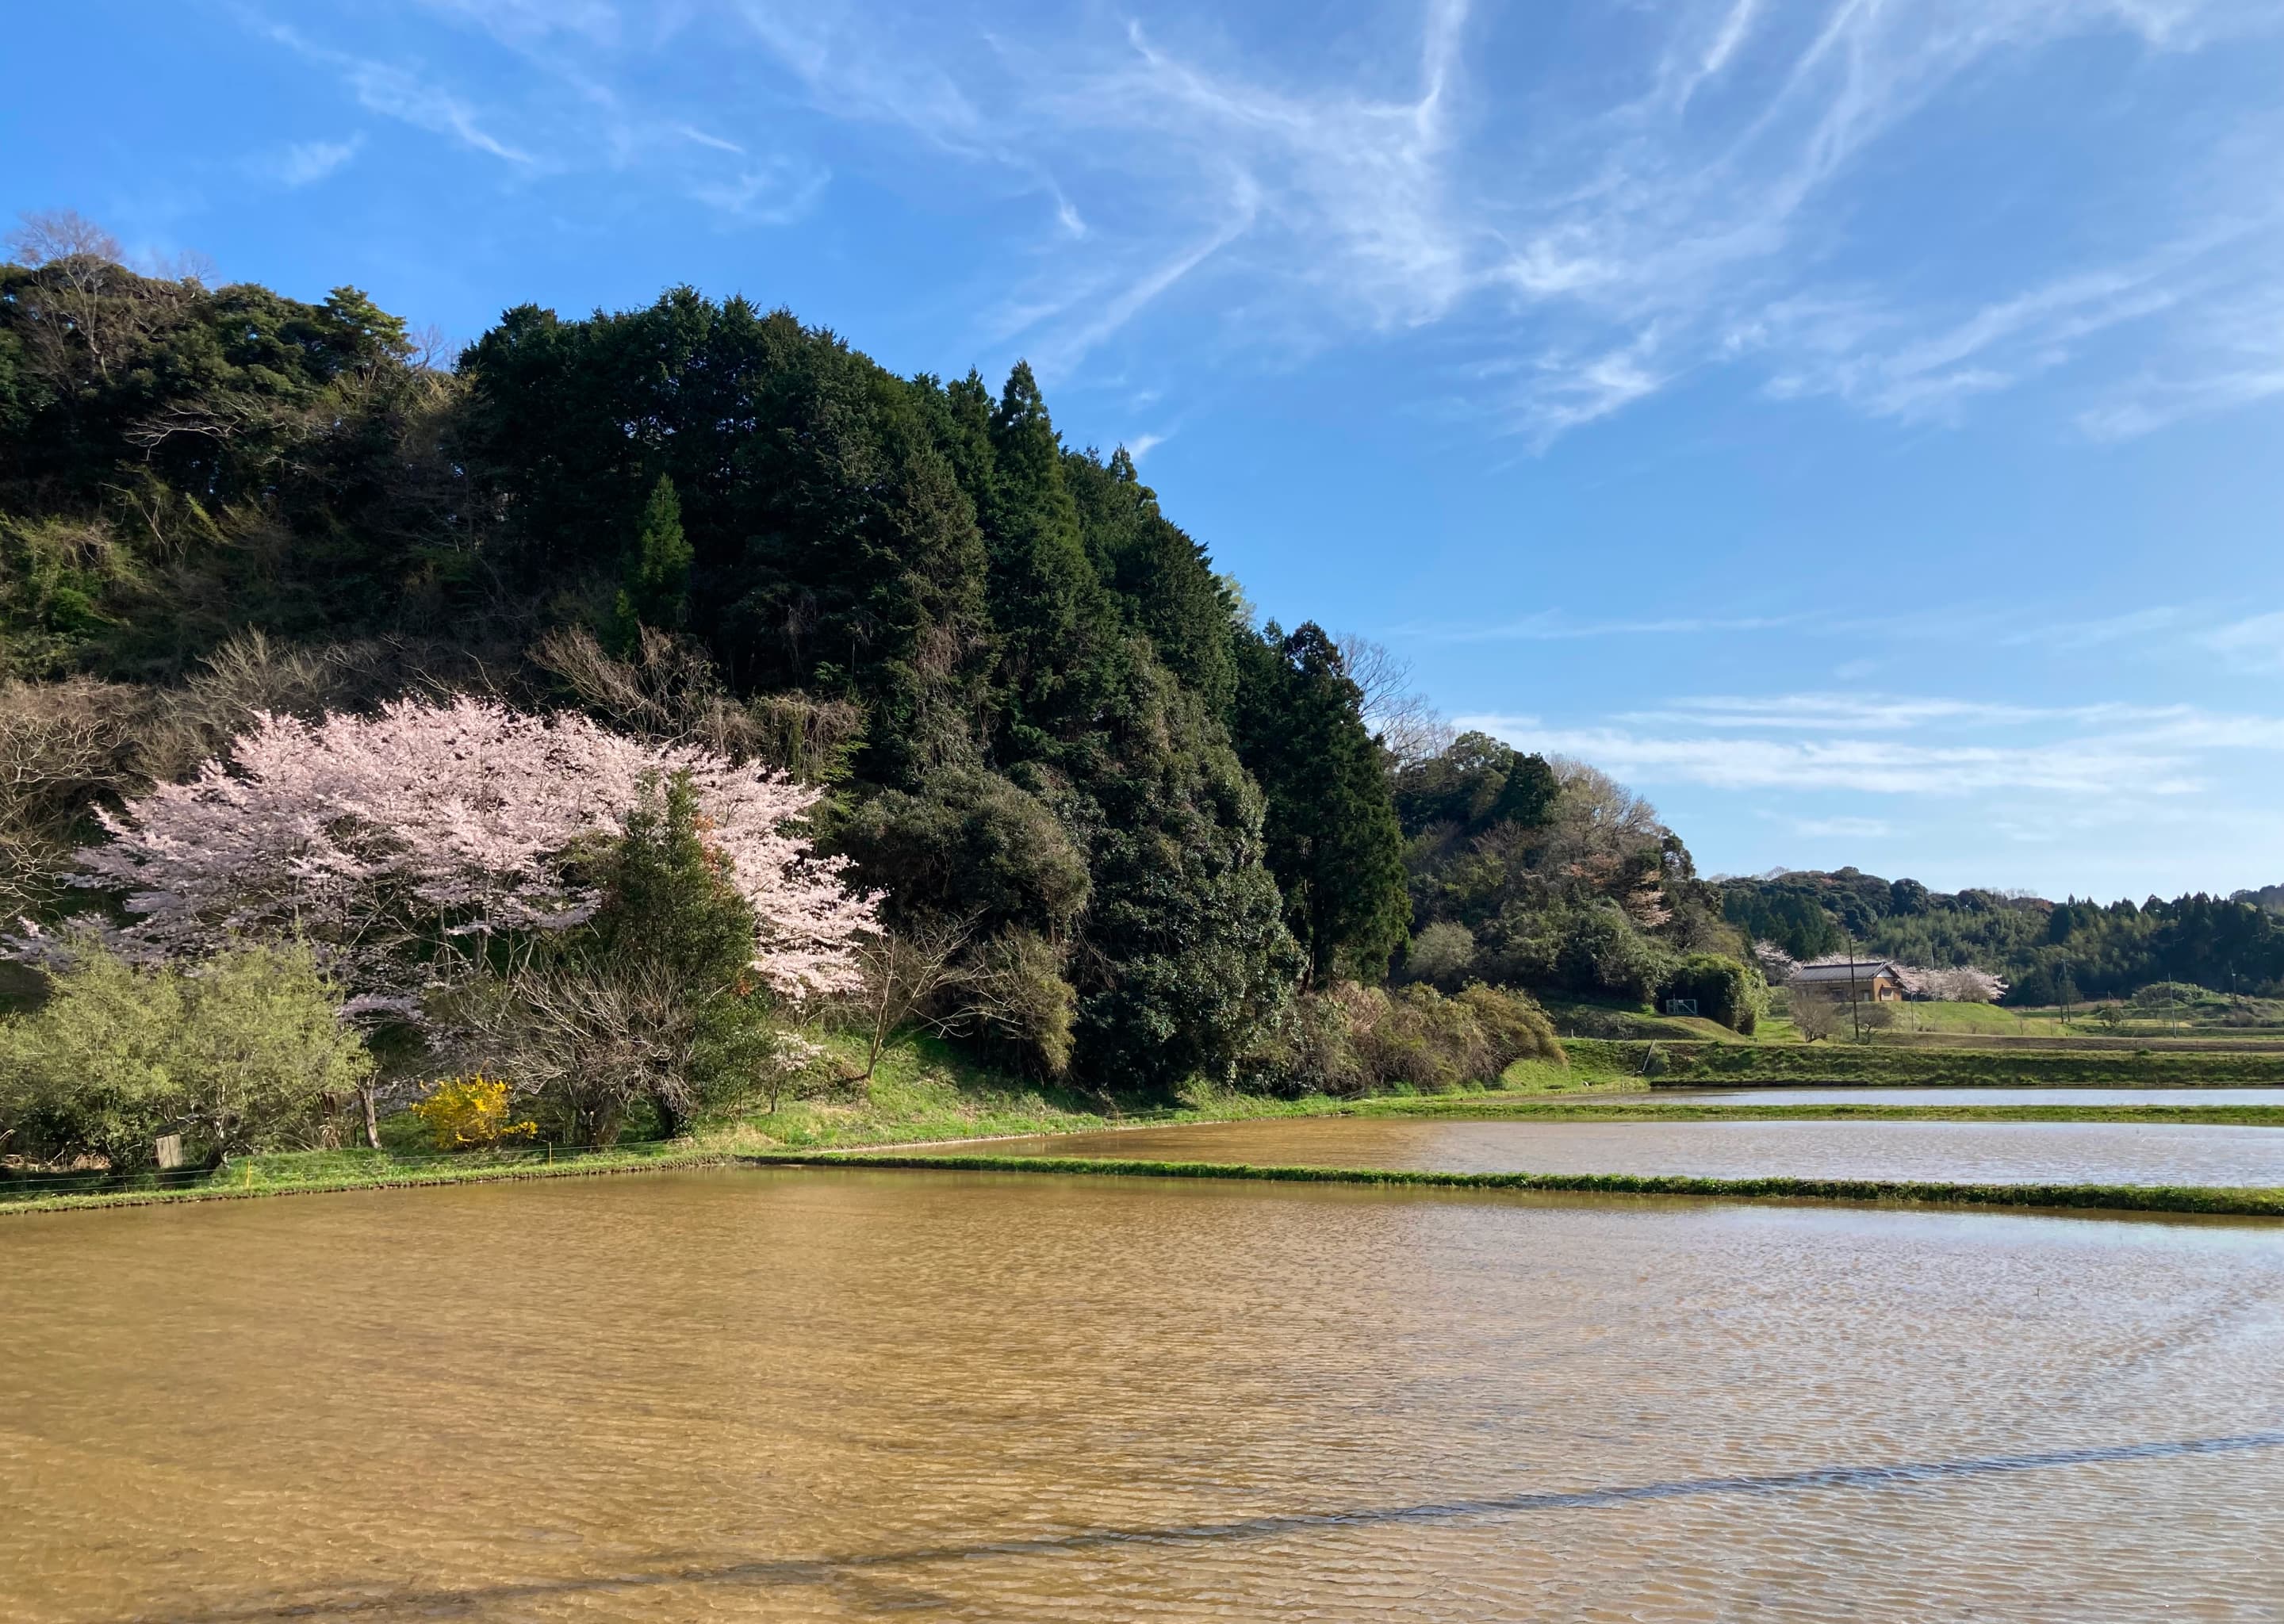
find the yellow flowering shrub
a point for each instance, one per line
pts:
(468, 1113)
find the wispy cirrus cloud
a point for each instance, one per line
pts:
(1570, 226)
(566, 112)
(2253, 643)
(1878, 767)
(305, 163)
(1907, 744)
(1844, 828)
(403, 91)
(1553, 626)
(767, 192)
(2157, 627)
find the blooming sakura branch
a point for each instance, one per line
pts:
(383, 838)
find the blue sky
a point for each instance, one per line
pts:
(1858, 427)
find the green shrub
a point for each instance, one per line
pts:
(1440, 954)
(650, 1009)
(244, 1052)
(1014, 993)
(1353, 1040)
(1725, 990)
(1516, 1027)
(1592, 948)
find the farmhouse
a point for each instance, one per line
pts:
(1869, 980)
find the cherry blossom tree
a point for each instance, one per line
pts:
(386, 839)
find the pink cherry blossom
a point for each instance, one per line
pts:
(385, 838)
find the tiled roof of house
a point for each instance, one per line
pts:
(1860, 970)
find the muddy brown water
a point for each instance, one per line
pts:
(858, 1394)
(1974, 1153)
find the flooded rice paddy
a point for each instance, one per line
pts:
(1972, 1152)
(845, 1393)
(1978, 1096)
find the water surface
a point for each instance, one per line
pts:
(1971, 1153)
(845, 1394)
(1980, 1096)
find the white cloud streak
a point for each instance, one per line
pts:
(1553, 625)
(397, 91)
(1844, 828)
(1703, 195)
(305, 163)
(2255, 644)
(1864, 744)
(1864, 766)
(567, 112)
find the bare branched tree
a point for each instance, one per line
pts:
(592, 1036)
(667, 691)
(1815, 1014)
(63, 745)
(905, 974)
(1013, 990)
(1408, 725)
(432, 350)
(51, 236)
(252, 672)
(84, 306)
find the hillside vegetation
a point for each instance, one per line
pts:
(809, 705)
(1105, 825)
(2062, 954)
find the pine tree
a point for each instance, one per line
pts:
(657, 589)
(1056, 623)
(1334, 841)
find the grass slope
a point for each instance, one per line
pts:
(1703, 1064)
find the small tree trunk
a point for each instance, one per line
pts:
(371, 1117)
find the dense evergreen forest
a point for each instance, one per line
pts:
(2050, 952)
(1165, 836)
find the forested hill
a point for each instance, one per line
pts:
(2051, 952)
(1151, 829)
(1058, 741)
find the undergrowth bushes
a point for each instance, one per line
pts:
(243, 1052)
(1352, 1040)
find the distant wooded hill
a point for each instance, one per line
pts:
(2051, 952)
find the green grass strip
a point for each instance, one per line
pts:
(331, 1172)
(386, 1174)
(2258, 1203)
(1724, 1064)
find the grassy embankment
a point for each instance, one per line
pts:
(1724, 1064)
(2098, 1198)
(1913, 1025)
(925, 1092)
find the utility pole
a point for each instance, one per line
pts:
(1854, 1012)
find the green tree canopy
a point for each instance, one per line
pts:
(1334, 841)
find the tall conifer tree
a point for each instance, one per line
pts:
(1334, 841)
(657, 589)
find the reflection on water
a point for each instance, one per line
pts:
(1980, 1096)
(843, 1393)
(1972, 1152)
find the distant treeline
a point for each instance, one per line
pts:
(2051, 952)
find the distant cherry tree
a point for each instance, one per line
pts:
(390, 838)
